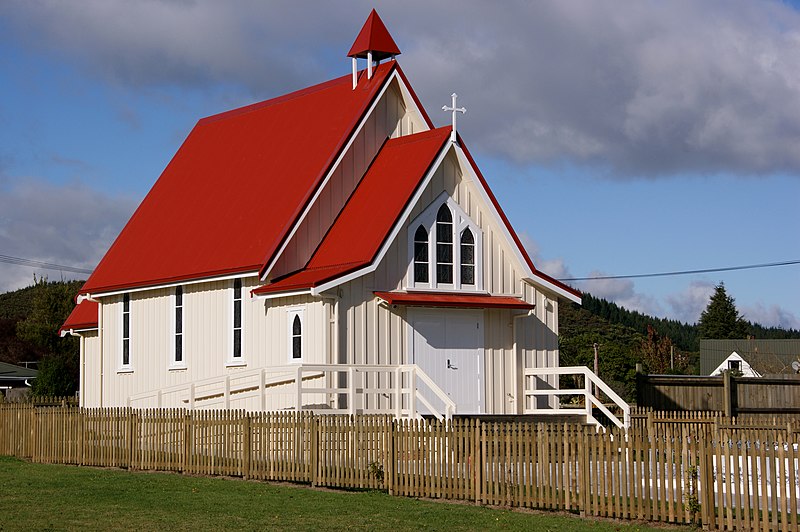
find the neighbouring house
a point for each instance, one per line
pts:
(15, 378)
(753, 358)
(329, 249)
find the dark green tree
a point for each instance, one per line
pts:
(721, 320)
(52, 303)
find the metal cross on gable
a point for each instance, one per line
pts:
(455, 110)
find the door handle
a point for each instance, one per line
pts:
(449, 365)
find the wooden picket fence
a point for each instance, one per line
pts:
(722, 473)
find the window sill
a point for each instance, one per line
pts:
(235, 364)
(126, 369)
(176, 367)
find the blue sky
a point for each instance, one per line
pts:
(620, 137)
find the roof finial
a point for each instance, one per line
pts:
(455, 110)
(373, 43)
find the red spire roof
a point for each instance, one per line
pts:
(375, 38)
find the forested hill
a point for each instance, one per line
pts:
(685, 336)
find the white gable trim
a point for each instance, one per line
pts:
(276, 295)
(335, 165)
(395, 230)
(168, 285)
(530, 274)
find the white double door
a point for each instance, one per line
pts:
(447, 344)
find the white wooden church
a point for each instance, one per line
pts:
(328, 250)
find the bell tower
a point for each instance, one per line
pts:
(373, 44)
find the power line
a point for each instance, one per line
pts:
(685, 272)
(8, 259)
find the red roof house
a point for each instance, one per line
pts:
(330, 229)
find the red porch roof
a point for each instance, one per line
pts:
(451, 300)
(83, 317)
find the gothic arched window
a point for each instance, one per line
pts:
(467, 257)
(421, 255)
(444, 246)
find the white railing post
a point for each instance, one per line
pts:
(398, 398)
(227, 392)
(351, 392)
(412, 399)
(191, 396)
(299, 384)
(262, 389)
(587, 393)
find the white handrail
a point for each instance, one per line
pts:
(589, 398)
(288, 381)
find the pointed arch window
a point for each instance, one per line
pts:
(444, 245)
(296, 341)
(421, 260)
(467, 257)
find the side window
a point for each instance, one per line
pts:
(444, 246)
(177, 340)
(296, 340)
(236, 333)
(126, 331)
(421, 261)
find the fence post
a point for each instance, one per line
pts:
(727, 392)
(478, 461)
(247, 446)
(391, 457)
(315, 439)
(187, 440)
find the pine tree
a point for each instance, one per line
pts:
(720, 320)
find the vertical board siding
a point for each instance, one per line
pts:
(720, 473)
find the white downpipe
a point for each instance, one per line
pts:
(369, 65)
(520, 377)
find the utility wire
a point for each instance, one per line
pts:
(684, 272)
(8, 259)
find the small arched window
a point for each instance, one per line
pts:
(467, 257)
(421, 255)
(297, 337)
(444, 246)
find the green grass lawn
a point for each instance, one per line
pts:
(54, 497)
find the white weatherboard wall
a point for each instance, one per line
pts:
(373, 333)
(392, 117)
(207, 339)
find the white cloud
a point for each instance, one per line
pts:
(770, 316)
(71, 225)
(622, 292)
(639, 88)
(555, 268)
(686, 306)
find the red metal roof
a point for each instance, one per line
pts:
(206, 215)
(450, 300)
(82, 317)
(375, 38)
(371, 212)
